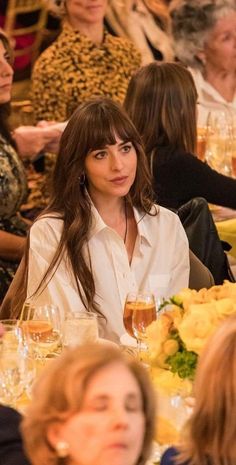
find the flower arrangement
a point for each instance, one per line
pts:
(178, 336)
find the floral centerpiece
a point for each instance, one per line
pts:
(181, 331)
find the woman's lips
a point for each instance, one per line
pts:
(118, 445)
(6, 87)
(120, 180)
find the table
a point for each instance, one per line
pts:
(225, 220)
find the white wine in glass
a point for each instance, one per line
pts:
(43, 330)
(143, 315)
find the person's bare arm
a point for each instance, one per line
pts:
(31, 140)
(11, 246)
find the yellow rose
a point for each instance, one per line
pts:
(197, 325)
(185, 297)
(170, 347)
(225, 307)
(169, 383)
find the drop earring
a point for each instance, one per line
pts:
(62, 449)
(82, 179)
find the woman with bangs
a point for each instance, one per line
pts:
(101, 235)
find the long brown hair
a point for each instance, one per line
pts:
(211, 433)
(161, 101)
(93, 125)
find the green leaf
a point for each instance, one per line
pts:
(184, 363)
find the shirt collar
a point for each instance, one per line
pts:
(205, 88)
(144, 232)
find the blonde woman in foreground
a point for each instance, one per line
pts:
(211, 432)
(100, 411)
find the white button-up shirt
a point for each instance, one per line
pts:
(209, 99)
(160, 264)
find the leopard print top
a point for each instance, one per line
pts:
(74, 69)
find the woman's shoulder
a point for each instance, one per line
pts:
(47, 223)
(159, 215)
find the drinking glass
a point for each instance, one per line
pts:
(129, 308)
(80, 328)
(219, 142)
(42, 326)
(201, 142)
(144, 313)
(17, 368)
(12, 333)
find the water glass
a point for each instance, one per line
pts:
(80, 328)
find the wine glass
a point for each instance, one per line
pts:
(129, 308)
(219, 142)
(42, 326)
(144, 314)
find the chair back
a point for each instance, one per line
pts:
(16, 27)
(204, 240)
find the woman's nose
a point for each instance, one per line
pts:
(119, 417)
(6, 69)
(116, 162)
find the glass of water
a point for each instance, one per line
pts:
(80, 328)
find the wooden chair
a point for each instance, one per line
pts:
(15, 27)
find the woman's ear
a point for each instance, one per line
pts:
(201, 55)
(54, 433)
(56, 441)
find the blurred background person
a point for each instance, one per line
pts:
(204, 38)
(84, 61)
(101, 411)
(13, 181)
(146, 23)
(210, 435)
(161, 101)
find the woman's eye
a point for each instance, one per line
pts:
(133, 406)
(226, 37)
(100, 155)
(126, 148)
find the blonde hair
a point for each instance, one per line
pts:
(211, 432)
(59, 393)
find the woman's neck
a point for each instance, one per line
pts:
(112, 211)
(94, 32)
(224, 82)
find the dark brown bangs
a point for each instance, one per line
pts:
(105, 124)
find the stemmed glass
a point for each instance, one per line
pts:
(42, 326)
(140, 311)
(17, 368)
(219, 142)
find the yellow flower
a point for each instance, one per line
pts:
(170, 347)
(197, 325)
(225, 307)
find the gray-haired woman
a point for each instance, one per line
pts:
(204, 33)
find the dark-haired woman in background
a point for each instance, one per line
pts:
(162, 103)
(13, 184)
